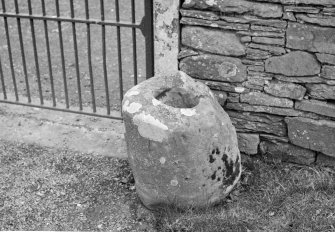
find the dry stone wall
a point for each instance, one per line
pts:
(271, 63)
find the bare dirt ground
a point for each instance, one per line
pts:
(96, 44)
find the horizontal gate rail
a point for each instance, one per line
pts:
(145, 26)
(75, 20)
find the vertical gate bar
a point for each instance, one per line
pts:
(149, 36)
(118, 34)
(10, 52)
(46, 35)
(133, 34)
(89, 53)
(75, 45)
(3, 82)
(32, 29)
(18, 21)
(104, 57)
(62, 55)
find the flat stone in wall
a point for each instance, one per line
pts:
(286, 152)
(328, 72)
(237, 6)
(258, 98)
(325, 160)
(321, 91)
(214, 67)
(318, 107)
(293, 64)
(326, 58)
(213, 41)
(296, 2)
(285, 90)
(257, 122)
(248, 143)
(310, 38)
(311, 134)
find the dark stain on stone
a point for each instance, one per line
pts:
(219, 168)
(219, 179)
(211, 159)
(217, 151)
(229, 165)
(213, 177)
(213, 151)
(203, 185)
(229, 180)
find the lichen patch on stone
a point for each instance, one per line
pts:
(132, 108)
(150, 127)
(188, 112)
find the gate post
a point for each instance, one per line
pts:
(166, 36)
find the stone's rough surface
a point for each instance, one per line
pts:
(321, 91)
(214, 67)
(285, 50)
(286, 152)
(311, 134)
(293, 64)
(186, 53)
(318, 107)
(328, 72)
(257, 98)
(200, 14)
(213, 41)
(306, 2)
(248, 143)
(302, 9)
(221, 97)
(270, 110)
(213, 24)
(272, 49)
(310, 38)
(166, 42)
(317, 19)
(256, 122)
(326, 58)
(237, 6)
(182, 146)
(271, 41)
(286, 90)
(310, 79)
(325, 160)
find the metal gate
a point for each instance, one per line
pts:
(75, 56)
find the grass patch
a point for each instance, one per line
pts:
(45, 189)
(270, 197)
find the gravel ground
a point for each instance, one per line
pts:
(45, 189)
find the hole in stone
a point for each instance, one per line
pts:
(178, 98)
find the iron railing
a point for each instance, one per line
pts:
(25, 95)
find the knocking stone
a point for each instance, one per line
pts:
(293, 64)
(312, 134)
(214, 41)
(182, 146)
